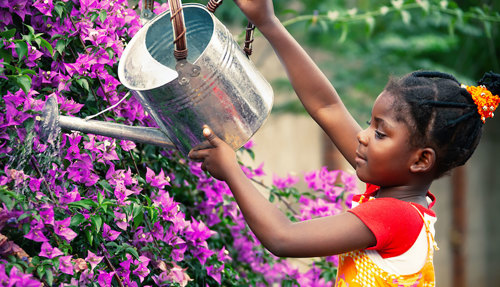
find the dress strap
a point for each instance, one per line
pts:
(427, 228)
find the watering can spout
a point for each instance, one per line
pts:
(52, 123)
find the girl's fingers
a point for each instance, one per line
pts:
(203, 145)
(198, 155)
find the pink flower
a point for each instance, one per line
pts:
(93, 259)
(108, 233)
(215, 272)
(121, 220)
(284, 182)
(105, 278)
(178, 275)
(250, 144)
(49, 251)
(159, 181)
(62, 229)
(65, 265)
(36, 234)
(127, 145)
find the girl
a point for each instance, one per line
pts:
(421, 126)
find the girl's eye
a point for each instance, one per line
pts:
(379, 135)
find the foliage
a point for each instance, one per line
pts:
(361, 43)
(96, 211)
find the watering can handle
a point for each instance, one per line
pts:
(212, 5)
(177, 19)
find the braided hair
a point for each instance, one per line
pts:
(440, 114)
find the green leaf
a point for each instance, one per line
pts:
(90, 236)
(41, 271)
(93, 17)
(271, 197)
(138, 219)
(103, 15)
(84, 83)
(105, 184)
(60, 46)
(99, 198)
(77, 219)
(345, 30)
(9, 202)
(24, 82)
(21, 49)
(6, 56)
(45, 44)
(8, 33)
(32, 31)
(96, 222)
(50, 276)
(59, 8)
(133, 251)
(27, 71)
(84, 203)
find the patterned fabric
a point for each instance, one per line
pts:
(356, 269)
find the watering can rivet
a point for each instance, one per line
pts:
(183, 81)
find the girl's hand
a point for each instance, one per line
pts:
(217, 157)
(259, 12)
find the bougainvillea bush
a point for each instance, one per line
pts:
(87, 210)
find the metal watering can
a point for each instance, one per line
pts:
(187, 71)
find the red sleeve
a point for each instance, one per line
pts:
(395, 224)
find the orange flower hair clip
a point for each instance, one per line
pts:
(486, 102)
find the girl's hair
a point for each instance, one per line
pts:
(440, 114)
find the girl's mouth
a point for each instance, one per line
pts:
(359, 158)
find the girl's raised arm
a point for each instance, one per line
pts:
(311, 86)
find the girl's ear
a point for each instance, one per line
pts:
(425, 158)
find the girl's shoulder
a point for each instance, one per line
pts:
(395, 224)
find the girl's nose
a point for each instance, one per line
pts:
(362, 138)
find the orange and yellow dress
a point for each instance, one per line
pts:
(403, 254)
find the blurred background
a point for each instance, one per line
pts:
(359, 45)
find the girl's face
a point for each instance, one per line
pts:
(384, 153)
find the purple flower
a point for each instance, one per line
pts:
(108, 233)
(178, 275)
(198, 231)
(108, 149)
(13, 116)
(49, 251)
(47, 214)
(317, 208)
(62, 229)
(215, 272)
(142, 270)
(19, 7)
(121, 192)
(121, 220)
(65, 265)
(44, 6)
(105, 278)
(259, 171)
(157, 181)
(17, 278)
(71, 196)
(126, 264)
(36, 233)
(284, 182)
(127, 145)
(250, 144)
(93, 259)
